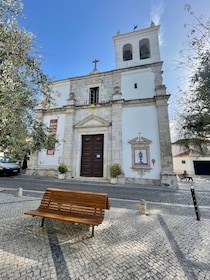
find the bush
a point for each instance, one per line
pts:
(115, 170)
(62, 168)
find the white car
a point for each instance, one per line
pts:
(9, 166)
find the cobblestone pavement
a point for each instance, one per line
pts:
(168, 243)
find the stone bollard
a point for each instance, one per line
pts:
(19, 192)
(143, 207)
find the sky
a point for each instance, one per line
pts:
(70, 34)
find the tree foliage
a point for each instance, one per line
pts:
(194, 119)
(21, 83)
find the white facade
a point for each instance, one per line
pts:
(119, 116)
(190, 161)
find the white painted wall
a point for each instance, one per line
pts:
(53, 160)
(179, 166)
(144, 120)
(179, 157)
(145, 84)
(60, 93)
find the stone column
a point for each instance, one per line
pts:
(116, 130)
(68, 135)
(168, 177)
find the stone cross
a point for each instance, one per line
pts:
(95, 61)
(139, 138)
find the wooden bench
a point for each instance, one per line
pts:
(72, 206)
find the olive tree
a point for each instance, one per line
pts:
(22, 82)
(194, 118)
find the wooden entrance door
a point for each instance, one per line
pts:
(92, 155)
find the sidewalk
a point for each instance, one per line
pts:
(169, 243)
(201, 183)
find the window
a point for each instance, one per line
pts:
(127, 52)
(135, 85)
(183, 161)
(94, 95)
(144, 49)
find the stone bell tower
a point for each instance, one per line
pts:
(137, 55)
(138, 47)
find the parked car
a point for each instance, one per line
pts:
(9, 166)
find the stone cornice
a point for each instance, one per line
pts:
(111, 72)
(125, 103)
(92, 121)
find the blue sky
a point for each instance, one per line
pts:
(70, 34)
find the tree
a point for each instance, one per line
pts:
(21, 84)
(194, 119)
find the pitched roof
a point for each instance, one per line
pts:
(187, 153)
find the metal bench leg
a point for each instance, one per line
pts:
(42, 222)
(92, 231)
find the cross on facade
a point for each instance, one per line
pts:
(95, 61)
(139, 138)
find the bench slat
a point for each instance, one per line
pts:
(76, 198)
(74, 217)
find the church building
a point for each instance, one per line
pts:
(118, 116)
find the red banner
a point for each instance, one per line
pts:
(52, 128)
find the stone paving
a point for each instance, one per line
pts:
(169, 243)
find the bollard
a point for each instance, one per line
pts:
(197, 212)
(19, 192)
(143, 207)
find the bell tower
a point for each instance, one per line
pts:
(138, 47)
(137, 57)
